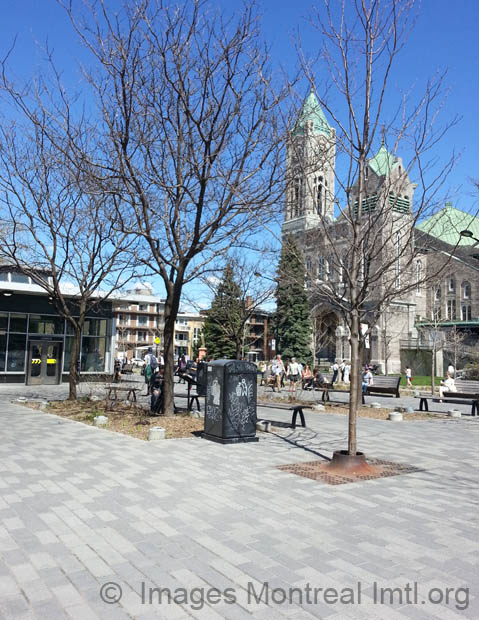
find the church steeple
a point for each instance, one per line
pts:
(311, 118)
(310, 168)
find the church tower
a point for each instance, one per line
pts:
(310, 164)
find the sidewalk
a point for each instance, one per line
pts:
(82, 507)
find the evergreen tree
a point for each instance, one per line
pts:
(292, 319)
(224, 326)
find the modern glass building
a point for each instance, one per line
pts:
(35, 343)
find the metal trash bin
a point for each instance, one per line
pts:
(230, 412)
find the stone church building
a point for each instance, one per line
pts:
(400, 254)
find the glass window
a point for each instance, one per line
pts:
(3, 348)
(451, 284)
(4, 276)
(142, 320)
(18, 323)
(45, 324)
(95, 327)
(143, 307)
(16, 352)
(67, 355)
(466, 290)
(3, 322)
(93, 354)
(21, 278)
(466, 313)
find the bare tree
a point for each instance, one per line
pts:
(367, 256)
(188, 137)
(60, 236)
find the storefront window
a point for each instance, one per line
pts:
(44, 324)
(93, 354)
(18, 323)
(67, 355)
(3, 347)
(3, 322)
(16, 352)
(95, 327)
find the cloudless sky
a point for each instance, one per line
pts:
(445, 37)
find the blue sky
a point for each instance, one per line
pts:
(445, 37)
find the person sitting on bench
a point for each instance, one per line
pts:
(448, 385)
(156, 389)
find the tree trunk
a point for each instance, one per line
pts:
(355, 383)
(73, 376)
(171, 312)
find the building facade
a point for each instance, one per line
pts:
(397, 251)
(35, 342)
(139, 324)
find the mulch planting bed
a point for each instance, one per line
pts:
(127, 419)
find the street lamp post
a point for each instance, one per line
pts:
(468, 235)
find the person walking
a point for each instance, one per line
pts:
(347, 372)
(367, 379)
(408, 373)
(342, 368)
(335, 369)
(278, 371)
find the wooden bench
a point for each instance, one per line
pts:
(130, 391)
(127, 369)
(296, 409)
(384, 385)
(467, 391)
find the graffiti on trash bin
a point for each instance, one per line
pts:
(241, 404)
(213, 409)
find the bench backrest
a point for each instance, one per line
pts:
(467, 387)
(392, 382)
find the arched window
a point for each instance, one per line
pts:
(466, 290)
(437, 293)
(319, 196)
(451, 285)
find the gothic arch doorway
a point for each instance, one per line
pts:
(325, 336)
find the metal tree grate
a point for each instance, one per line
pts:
(318, 470)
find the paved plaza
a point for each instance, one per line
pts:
(94, 524)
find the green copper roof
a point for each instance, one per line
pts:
(382, 162)
(311, 111)
(448, 223)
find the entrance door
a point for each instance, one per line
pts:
(44, 361)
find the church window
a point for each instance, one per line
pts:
(418, 276)
(466, 290)
(466, 313)
(321, 268)
(451, 309)
(398, 258)
(436, 312)
(451, 285)
(331, 267)
(319, 195)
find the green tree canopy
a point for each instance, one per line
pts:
(292, 320)
(224, 327)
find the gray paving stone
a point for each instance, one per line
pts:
(82, 506)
